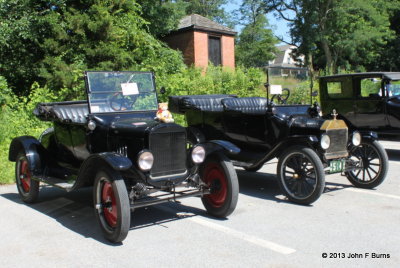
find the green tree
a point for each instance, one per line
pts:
(336, 33)
(162, 15)
(212, 9)
(389, 59)
(255, 45)
(53, 41)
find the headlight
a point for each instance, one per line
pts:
(198, 154)
(325, 141)
(145, 160)
(356, 140)
(91, 125)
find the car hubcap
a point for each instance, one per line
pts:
(299, 176)
(25, 176)
(109, 204)
(215, 178)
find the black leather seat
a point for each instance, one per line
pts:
(246, 105)
(75, 113)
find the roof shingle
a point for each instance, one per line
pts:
(196, 21)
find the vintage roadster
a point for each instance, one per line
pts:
(114, 142)
(306, 145)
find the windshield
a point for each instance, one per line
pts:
(121, 92)
(393, 88)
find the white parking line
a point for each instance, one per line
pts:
(249, 238)
(252, 239)
(372, 193)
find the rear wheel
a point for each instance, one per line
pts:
(373, 162)
(111, 203)
(218, 173)
(301, 175)
(28, 188)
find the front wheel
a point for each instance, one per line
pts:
(28, 188)
(218, 173)
(111, 203)
(301, 175)
(373, 162)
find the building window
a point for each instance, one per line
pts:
(214, 50)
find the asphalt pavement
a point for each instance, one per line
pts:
(346, 227)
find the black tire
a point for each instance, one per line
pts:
(219, 174)
(111, 204)
(254, 169)
(301, 175)
(28, 188)
(374, 162)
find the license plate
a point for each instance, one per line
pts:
(336, 166)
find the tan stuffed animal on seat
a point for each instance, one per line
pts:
(163, 114)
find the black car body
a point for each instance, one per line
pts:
(114, 142)
(295, 134)
(366, 101)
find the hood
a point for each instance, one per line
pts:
(306, 122)
(133, 126)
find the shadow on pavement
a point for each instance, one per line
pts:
(74, 210)
(394, 155)
(265, 186)
(261, 185)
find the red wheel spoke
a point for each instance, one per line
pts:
(25, 176)
(215, 178)
(109, 204)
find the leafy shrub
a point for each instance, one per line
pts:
(216, 80)
(16, 119)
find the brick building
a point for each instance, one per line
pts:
(202, 40)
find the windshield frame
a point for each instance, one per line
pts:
(89, 92)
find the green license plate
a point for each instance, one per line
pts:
(336, 166)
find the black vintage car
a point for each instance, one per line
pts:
(306, 145)
(366, 101)
(114, 142)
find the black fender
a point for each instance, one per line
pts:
(306, 140)
(227, 147)
(195, 135)
(369, 136)
(310, 141)
(33, 149)
(89, 167)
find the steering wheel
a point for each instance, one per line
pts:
(281, 98)
(119, 102)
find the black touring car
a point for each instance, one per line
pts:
(114, 142)
(307, 146)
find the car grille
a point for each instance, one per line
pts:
(169, 151)
(338, 146)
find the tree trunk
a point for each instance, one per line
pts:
(328, 55)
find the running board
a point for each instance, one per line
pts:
(59, 183)
(241, 164)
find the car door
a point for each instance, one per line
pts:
(393, 104)
(337, 93)
(370, 103)
(234, 124)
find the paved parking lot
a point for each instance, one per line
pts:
(353, 227)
